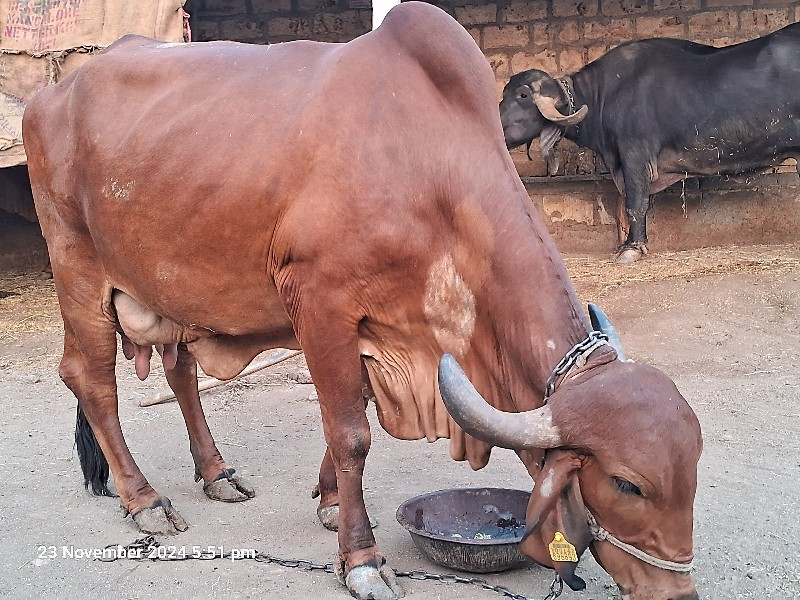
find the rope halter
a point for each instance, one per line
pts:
(603, 535)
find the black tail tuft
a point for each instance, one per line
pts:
(93, 463)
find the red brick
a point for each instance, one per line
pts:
(615, 30)
(475, 32)
(297, 27)
(476, 15)
(203, 31)
(529, 168)
(541, 34)
(311, 5)
(574, 8)
(617, 8)
(500, 65)
(727, 3)
(672, 26)
(682, 5)
(544, 60)
(225, 7)
(726, 41)
(764, 20)
(272, 6)
(505, 36)
(597, 51)
(568, 31)
(519, 12)
(244, 30)
(340, 26)
(708, 24)
(570, 60)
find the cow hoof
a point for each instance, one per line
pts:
(228, 487)
(329, 517)
(629, 256)
(369, 583)
(160, 519)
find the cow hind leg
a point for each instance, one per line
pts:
(326, 490)
(220, 481)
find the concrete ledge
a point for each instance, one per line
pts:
(579, 212)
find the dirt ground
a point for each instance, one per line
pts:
(724, 323)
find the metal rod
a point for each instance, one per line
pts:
(208, 384)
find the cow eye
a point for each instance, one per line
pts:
(623, 485)
(523, 95)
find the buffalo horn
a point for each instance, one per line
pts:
(547, 106)
(600, 322)
(517, 431)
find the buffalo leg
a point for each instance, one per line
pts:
(220, 481)
(637, 201)
(87, 368)
(623, 227)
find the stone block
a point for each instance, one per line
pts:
(476, 15)
(711, 24)
(671, 26)
(574, 8)
(544, 60)
(613, 30)
(224, 7)
(500, 65)
(244, 30)
(505, 36)
(763, 20)
(570, 60)
(681, 5)
(567, 32)
(274, 6)
(728, 3)
(619, 8)
(596, 51)
(521, 12)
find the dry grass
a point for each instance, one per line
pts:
(595, 277)
(29, 305)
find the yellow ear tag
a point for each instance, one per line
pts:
(561, 550)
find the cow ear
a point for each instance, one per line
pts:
(569, 520)
(556, 507)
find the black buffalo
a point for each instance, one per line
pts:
(660, 110)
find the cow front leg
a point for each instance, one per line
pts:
(637, 202)
(87, 368)
(220, 481)
(334, 362)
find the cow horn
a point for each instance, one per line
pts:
(601, 322)
(518, 431)
(547, 106)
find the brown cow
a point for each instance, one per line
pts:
(356, 200)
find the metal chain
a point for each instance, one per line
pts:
(575, 357)
(147, 548)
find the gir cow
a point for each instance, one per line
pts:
(661, 110)
(357, 201)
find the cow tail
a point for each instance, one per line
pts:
(93, 462)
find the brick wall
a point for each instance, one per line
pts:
(558, 36)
